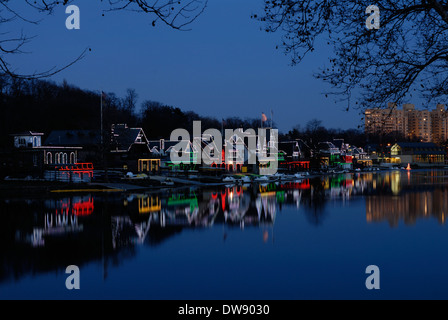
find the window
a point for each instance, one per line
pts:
(72, 158)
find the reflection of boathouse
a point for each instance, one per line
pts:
(408, 207)
(61, 218)
(232, 206)
(148, 204)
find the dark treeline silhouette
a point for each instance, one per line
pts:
(314, 132)
(43, 106)
(159, 120)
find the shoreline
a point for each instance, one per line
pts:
(18, 188)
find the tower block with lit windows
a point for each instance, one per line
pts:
(409, 123)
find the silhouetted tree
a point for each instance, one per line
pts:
(176, 14)
(129, 102)
(159, 120)
(409, 51)
(314, 132)
(44, 106)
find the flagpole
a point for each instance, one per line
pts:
(101, 95)
(271, 118)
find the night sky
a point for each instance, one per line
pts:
(225, 66)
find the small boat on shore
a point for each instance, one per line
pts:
(299, 176)
(262, 179)
(229, 179)
(167, 182)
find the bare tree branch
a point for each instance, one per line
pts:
(176, 14)
(406, 56)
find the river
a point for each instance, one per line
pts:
(309, 239)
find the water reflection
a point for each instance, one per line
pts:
(39, 235)
(159, 214)
(408, 207)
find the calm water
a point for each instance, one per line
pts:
(306, 240)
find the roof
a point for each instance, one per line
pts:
(289, 147)
(27, 133)
(327, 144)
(125, 137)
(358, 150)
(338, 143)
(74, 138)
(303, 145)
(432, 152)
(417, 145)
(421, 148)
(152, 144)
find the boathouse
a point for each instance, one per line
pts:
(418, 153)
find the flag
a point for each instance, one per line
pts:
(263, 117)
(103, 95)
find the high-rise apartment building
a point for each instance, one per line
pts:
(413, 124)
(439, 124)
(385, 121)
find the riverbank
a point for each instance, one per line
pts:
(37, 188)
(18, 188)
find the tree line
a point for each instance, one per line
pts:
(406, 56)
(43, 106)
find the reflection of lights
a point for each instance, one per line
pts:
(396, 183)
(83, 207)
(408, 207)
(223, 201)
(79, 206)
(149, 204)
(239, 190)
(268, 194)
(303, 185)
(265, 236)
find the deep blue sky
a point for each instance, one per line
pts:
(225, 66)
